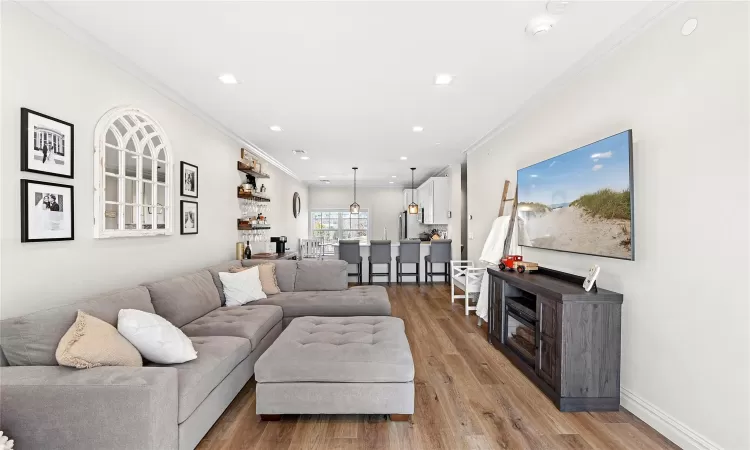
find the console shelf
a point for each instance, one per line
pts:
(242, 168)
(575, 356)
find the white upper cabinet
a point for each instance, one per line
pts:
(434, 200)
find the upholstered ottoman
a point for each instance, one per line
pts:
(337, 365)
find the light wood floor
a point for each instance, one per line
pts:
(468, 396)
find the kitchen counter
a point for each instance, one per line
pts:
(393, 243)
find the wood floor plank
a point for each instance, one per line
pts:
(467, 396)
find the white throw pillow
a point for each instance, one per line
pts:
(158, 340)
(242, 287)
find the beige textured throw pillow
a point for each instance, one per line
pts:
(92, 342)
(267, 273)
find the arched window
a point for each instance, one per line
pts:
(132, 176)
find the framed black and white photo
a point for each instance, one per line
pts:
(188, 180)
(188, 217)
(46, 211)
(46, 144)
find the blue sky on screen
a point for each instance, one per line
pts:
(564, 178)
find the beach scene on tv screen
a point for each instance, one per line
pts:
(579, 201)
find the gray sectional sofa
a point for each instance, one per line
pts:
(43, 405)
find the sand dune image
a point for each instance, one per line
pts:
(580, 201)
(570, 228)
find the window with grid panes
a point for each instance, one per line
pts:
(333, 225)
(133, 176)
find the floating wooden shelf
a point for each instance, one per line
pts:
(243, 168)
(253, 227)
(255, 197)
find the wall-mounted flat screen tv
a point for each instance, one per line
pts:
(580, 201)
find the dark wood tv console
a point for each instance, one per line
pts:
(564, 339)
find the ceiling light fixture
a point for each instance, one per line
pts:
(275, 128)
(325, 181)
(321, 176)
(413, 207)
(228, 78)
(540, 25)
(443, 79)
(354, 207)
(393, 176)
(689, 26)
(390, 182)
(403, 158)
(417, 129)
(305, 158)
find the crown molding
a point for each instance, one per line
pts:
(47, 13)
(627, 32)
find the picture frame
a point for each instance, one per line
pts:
(188, 217)
(188, 180)
(47, 211)
(47, 144)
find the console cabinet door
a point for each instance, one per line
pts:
(495, 308)
(548, 353)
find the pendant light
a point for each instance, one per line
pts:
(354, 207)
(413, 207)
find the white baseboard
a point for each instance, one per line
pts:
(671, 428)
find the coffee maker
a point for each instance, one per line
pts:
(280, 243)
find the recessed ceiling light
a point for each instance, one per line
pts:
(228, 78)
(403, 158)
(443, 78)
(321, 176)
(689, 27)
(557, 6)
(275, 128)
(325, 181)
(304, 157)
(417, 129)
(393, 176)
(540, 25)
(390, 182)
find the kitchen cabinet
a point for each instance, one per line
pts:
(434, 200)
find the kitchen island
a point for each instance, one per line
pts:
(424, 250)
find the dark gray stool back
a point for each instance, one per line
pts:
(440, 253)
(349, 252)
(409, 251)
(380, 253)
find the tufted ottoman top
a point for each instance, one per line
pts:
(363, 349)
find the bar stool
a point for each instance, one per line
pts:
(440, 253)
(380, 253)
(408, 253)
(349, 252)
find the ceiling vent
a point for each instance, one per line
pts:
(299, 152)
(325, 181)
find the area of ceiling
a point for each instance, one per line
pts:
(348, 81)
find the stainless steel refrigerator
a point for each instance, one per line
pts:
(408, 226)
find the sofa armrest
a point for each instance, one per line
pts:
(99, 408)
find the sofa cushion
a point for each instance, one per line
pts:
(286, 271)
(32, 340)
(355, 301)
(183, 299)
(217, 357)
(92, 342)
(249, 321)
(340, 350)
(222, 267)
(321, 276)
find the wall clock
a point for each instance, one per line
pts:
(296, 204)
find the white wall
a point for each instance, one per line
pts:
(46, 71)
(686, 99)
(383, 205)
(456, 209)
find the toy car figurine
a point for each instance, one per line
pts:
(516, 262)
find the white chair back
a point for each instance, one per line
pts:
(311, 248)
